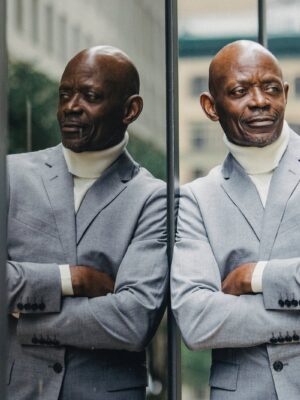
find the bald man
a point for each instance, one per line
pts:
(87, 267)
(235, 275)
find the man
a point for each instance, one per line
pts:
(235, 278)
(82, 215)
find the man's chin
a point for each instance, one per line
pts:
(76, 145)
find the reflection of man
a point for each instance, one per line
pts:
(236, 275)
(86, 204)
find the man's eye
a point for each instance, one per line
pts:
(272, 89)
(64, 95)
(238, 91)
(91, 96)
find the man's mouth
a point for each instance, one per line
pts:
(260, 122)
(72, 127)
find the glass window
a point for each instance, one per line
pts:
(199, 84)
(49, 28)
(34, 21)
(19, 16)
(76, 36)
(297, 86)
(62, 47)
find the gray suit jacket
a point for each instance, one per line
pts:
(80, 348)
(222, 224)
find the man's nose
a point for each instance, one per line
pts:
(259, 99)
(73, 104)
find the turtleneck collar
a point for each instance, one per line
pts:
(260, 160)
(91, 164)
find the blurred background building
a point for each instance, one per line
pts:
(47, 33)
(205, 27)
(44, 34)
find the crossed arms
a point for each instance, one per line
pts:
(208, 314)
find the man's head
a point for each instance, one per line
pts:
(98, 99)
(247, 94)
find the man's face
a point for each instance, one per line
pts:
(250, 100)
(90, 109)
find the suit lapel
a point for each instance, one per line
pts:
(58, 183)
(243, 193)
(111, 183)
(284, 181)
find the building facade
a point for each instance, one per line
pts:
(47, 33)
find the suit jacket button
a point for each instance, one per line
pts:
(34, 340)
(57, 367)
(34, 306)
(295, 337)
(42, 306)
(27, 306)
(288, 338)
(288, 303)
(278, 366)
(294, 303)
(281, 303)
(20, 306)
(280, 339)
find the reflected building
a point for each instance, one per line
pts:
(47, 33)
(202, 34)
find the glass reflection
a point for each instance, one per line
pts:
(205, 27)
(42, 36)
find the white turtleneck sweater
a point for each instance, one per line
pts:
(259, 163)
(86, 168)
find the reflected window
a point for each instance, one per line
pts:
(62, 47)
(199, 84)
(19, 15)
(197, 136)
(297, 86)
(34, 21)
(76, 36)
(49, 28)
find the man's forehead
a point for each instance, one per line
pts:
(243, 63)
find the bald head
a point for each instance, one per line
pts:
(98, 99)
(240, 53)
(114, 64)
(247, 94)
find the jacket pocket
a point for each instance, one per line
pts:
(224, 375)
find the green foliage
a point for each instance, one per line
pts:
(195, 369)
(26, 84)
(145, 153)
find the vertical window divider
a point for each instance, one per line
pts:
(171, 39)
(3, 141)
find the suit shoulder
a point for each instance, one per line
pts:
(30, 159)
(145, 179)
(212, 179)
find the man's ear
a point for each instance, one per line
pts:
(132, 109)
(208, 105)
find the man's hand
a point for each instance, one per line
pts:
(88, 282)
(238, 281)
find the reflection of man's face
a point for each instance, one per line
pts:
(250, 99)
(90, 108)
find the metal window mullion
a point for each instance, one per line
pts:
(171, 34)
(262, 23)
(3, 141)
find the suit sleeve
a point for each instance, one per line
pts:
(281, 284)
(33, 288)
(128, 318)
(207, 317)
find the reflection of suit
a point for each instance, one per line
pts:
(91, 348)
(223, 224)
